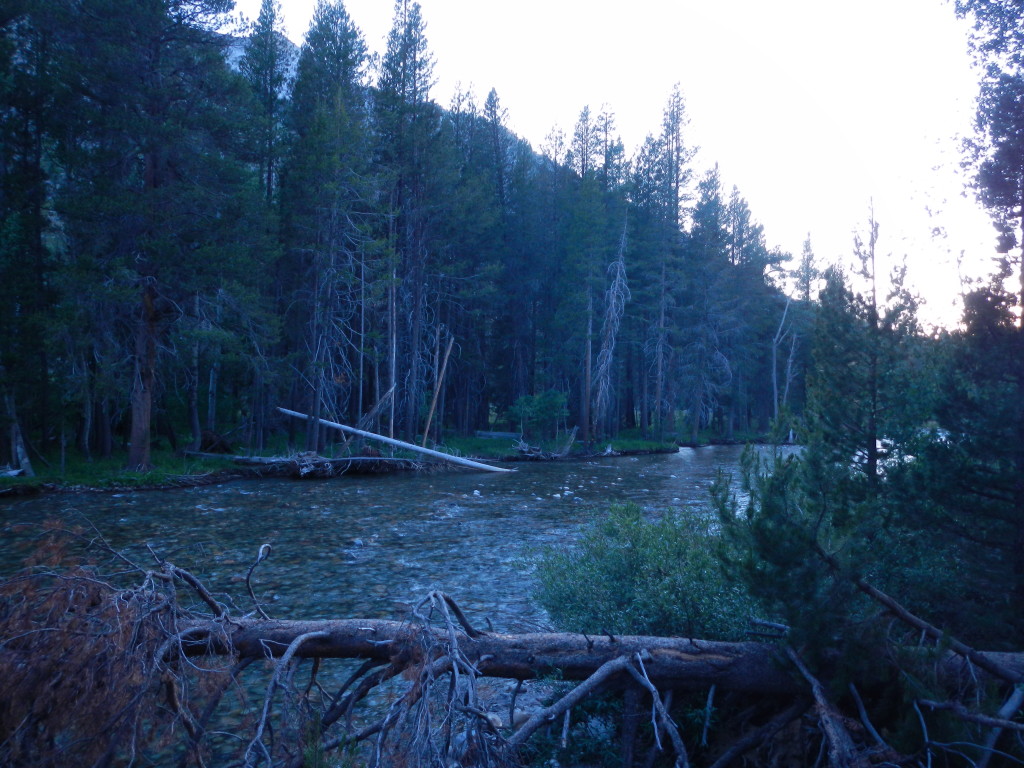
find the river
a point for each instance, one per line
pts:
(368, 546)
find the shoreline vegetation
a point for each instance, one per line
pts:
(183, 469)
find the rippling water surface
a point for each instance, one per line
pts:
(368, 546)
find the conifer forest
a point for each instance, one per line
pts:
(199, 227)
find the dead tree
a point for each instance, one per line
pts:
(160, 668)
(615, 300)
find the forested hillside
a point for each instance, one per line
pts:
(199, 227)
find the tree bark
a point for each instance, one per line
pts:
(673, 662)
(143, 382)
(438, 382)
(18, 452)
(670, 662)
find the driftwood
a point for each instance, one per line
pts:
(401, 444)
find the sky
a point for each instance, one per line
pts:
(819, 111)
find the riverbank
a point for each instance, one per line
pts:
(185, 470)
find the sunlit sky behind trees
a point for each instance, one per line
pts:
(816, 111)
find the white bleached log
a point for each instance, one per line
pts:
(399, 443)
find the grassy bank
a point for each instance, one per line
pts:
(501, 448)
(171, 469)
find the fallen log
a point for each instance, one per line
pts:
(670, 662)
(312, 465)
(77, 651)
(400, 444)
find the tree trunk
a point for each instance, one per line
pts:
(18, 452)
(106, 435)
(780, 334)
(193, 396)
(587, 356)
(88, 412)
(659, 380)
(392, 349)
(142, 382)
(670, 662)
(438, 383)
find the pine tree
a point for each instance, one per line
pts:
(32, 96)
(266, 63)
(710, 313)
(407, 124)
(156, 202)
(806, 273)
(866, 399)
(325, 207)
(659, 193)
(982, 462)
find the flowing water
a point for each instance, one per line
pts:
(369, 546)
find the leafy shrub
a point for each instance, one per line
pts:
(539, 415)
(629, 575)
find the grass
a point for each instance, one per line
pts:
(110, 472)
(637, 444)
(495, 448)
(479, 447)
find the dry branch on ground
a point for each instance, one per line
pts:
(96, 673)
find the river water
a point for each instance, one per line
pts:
(370, 546)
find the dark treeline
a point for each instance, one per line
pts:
(199, 227)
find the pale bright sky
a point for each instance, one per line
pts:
(815, 109)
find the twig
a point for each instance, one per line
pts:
(761, 735)
(192, 728)
(1007, 711)
(608, 669)
(984, 662)
(214, 701)
(865, 720)
(708, 709)
(682, 761)
(263, 554)
(365, 667)
(460, 616)
(368, 683)
(841, 749)
(512, 704)
(257, 740)
(174, 571)
(783, 628)
(924, 730)
(964, 713)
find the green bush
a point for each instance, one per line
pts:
(629, 575)
(539, 415)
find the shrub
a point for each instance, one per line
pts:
(630, 575)
(539, 415)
